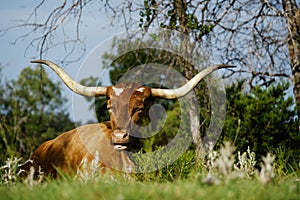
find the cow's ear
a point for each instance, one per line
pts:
(149, 99)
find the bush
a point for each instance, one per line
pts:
(262, 119)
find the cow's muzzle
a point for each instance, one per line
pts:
(120, 139)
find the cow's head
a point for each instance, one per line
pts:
(128, 103)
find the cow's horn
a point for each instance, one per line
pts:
(182, 91)
(74, 86)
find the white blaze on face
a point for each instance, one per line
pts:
(140, 89)
(118, 91)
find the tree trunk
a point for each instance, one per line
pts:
(190, 72)
(292, 15)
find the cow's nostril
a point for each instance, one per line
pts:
(125, 135)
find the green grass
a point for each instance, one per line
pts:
(221, 175)
(182, 189)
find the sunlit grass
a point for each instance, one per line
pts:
(180, 189)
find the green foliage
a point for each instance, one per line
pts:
(174, 19)
(148, 13)
(30, 114)
(179, 169)
(119, 63)
(263, 119)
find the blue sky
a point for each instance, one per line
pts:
(96, 30)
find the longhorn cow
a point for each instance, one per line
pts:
(128, 106)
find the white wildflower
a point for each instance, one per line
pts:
(266, 173)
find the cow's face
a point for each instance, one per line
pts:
(128, 106)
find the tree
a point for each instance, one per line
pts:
(23, 125)
(292, 16)
(260, 37)
(263, 119)
(256, 36)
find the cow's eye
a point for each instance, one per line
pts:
(137, 110)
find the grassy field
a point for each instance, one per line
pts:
(181, 189)
(222, 175)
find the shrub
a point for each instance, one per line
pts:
(262, 119)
